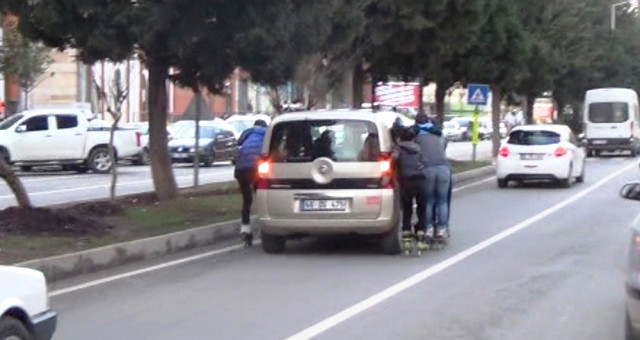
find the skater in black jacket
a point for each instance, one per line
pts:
(413, 185)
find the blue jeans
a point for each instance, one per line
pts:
(438, 184)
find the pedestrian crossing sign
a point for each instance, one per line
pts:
(478, 94)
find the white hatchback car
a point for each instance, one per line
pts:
(541, 152)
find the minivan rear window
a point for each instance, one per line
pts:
(608, 112)
(339, 140)
(534, 137)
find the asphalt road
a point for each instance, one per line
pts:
(531, 262)
(54, 187)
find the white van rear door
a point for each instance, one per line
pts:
(608, 120)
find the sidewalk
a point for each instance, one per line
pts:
(65, 266)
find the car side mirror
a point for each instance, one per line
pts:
(21, 129)
(631, 191)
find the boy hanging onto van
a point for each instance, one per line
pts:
(413, 185)
(246, 170)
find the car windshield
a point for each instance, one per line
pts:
(534, 137)
(339, 140)
(450, 125)
(608, 112)
(241, 125)
(7, 123)
(190, 132)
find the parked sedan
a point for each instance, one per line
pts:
(216, 145)
(632, 282)
(451, 131)
(541, 152)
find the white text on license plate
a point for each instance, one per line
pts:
(323, 205)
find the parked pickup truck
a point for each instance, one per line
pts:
(62, 137)
(24, 305)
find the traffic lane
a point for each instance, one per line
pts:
(62, 188)
(560, 278)
(463, 151)
(279, 295)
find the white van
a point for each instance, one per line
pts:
(611, 120)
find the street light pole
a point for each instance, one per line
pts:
(613, 13)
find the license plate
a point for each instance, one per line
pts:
(323, 205)
(599, 142)
(531, 156)
(179, 155)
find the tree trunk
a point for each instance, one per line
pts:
(496, 92)
(161, 168)
(560, 110)
(421, 96)
(114, 161)
(14, 183)
(196, 158)
(358, 86)
(441, 92)
(531, 99)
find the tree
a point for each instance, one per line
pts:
(114, 97)
(25, 60)
(496, 57)
(193, 37)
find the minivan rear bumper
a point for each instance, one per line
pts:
(610, 144)
(386, 219)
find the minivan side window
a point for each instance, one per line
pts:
(66, 121)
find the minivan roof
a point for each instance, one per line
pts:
(321, 115)
(611, 93)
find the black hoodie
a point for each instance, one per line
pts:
(408, 160)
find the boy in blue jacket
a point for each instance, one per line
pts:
(246, 170)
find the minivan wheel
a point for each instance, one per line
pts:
(13, 329)
(390, 242)
(272, 244)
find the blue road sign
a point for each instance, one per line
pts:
(478, 94)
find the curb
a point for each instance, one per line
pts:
(89, 261)
(61, 267)
(474, 174)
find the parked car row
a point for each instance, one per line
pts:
(461, 129)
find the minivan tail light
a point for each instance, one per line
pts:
(264, 167)
(632, 130)
(386, 171)
(504, 151)
(138, 138)
(561, 151)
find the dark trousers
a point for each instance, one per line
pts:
(413, 189)
(246, 181)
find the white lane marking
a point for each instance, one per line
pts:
(146, 181)
(380, 297)
(168, 264)
(146, 270)
(492, 178)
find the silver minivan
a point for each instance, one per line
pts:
(326, 173)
